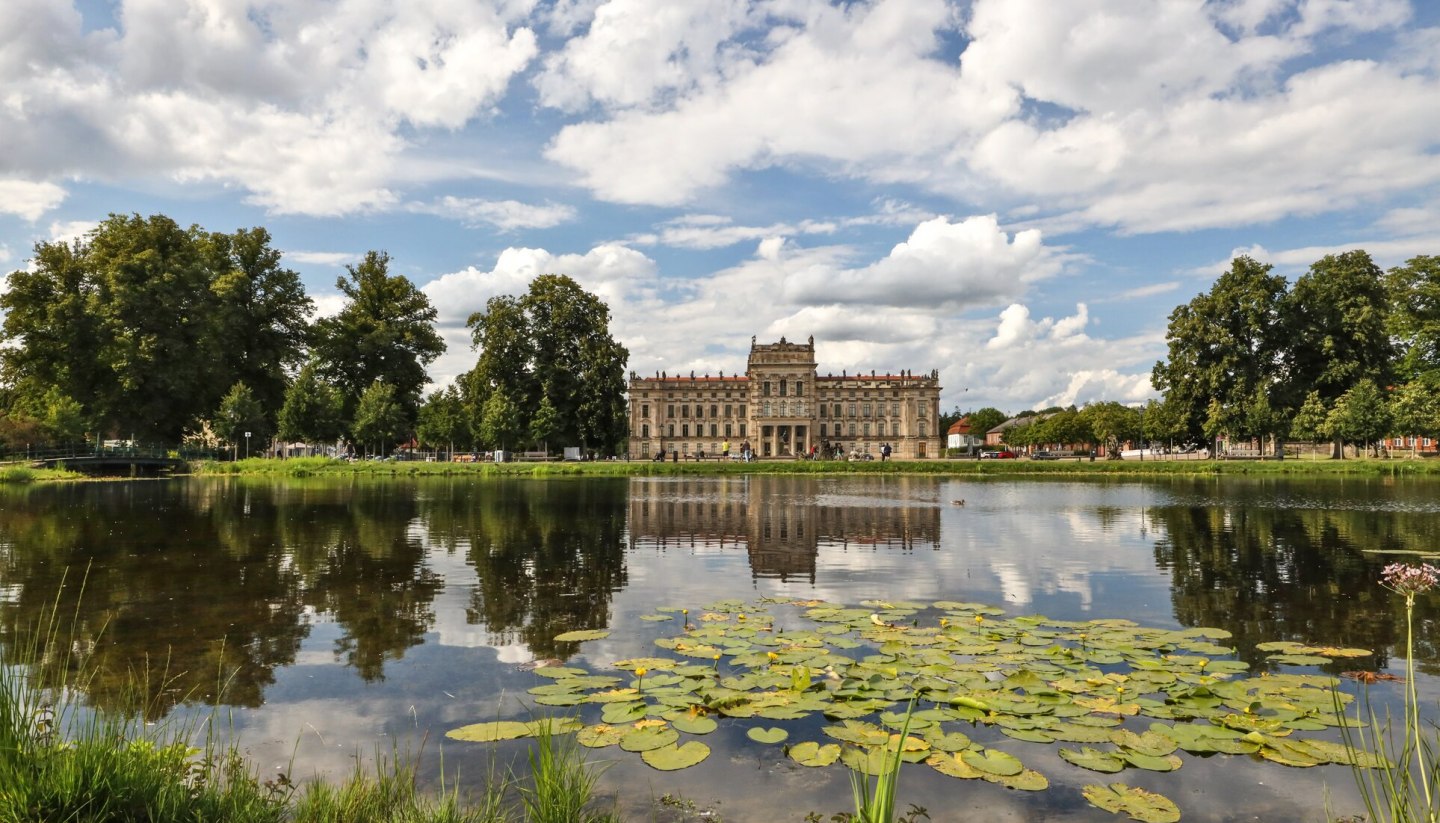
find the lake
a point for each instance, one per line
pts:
(344, 617)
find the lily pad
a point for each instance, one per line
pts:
(693, 724)
(1137, 804)
(810, 753)
(771, 735)
(600, 735)
(992, 761)
(649, 737)
(492, 731)
(671, 758)
(582, 635)
(1094, 760)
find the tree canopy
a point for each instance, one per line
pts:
(548, 368)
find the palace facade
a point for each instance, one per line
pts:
(783, 407)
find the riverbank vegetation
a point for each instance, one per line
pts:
(323, 466)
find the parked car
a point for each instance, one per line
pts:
(1044, 455)
(997, 455)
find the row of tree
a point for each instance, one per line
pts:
(146, 330)
(1347, 353)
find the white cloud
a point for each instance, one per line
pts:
(29, 199)
(970, 262)
(68, 231)
(307, 106)
(323, 258)
(506, 215)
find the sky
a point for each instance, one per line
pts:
(1014, 192)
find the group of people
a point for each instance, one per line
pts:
(747, 454)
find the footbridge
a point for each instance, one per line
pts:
(129, 460)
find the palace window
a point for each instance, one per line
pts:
(645, 410)
(822, 427)
(852, 429)
(670, 410)
(799, 388)
(645, 430)
(851, 410)
(714, 430)
(672, 429)
(836, 415)
(922, 428)
(765, 388)
(920, 409)
(728, 430)
(684, 411)
(823, 408)
(782, 388)
(714, 410)
(699, 412)
(728, 409)
(867, 428)
(894, 409)
(742, 411)
(685, 430)
(742, 429)
(864, 409)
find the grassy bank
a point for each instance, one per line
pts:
(16, 475)
(318, 466)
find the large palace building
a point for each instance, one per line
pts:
(783, 407)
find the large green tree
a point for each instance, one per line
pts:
(313, 411)
(241, 421)
(385, 332)
(551, 347)
(443, 420)
(1337, 326)
(146, 324)
(380, 418)
(1414, 294)
(1223, 345)
(261, 314)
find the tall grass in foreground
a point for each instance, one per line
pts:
(63, 761)
(1398, 782)
(878, 806)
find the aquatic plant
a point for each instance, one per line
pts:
(1400, 789)
(1122, 696)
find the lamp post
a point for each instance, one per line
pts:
(1142, 434)
(247, 445)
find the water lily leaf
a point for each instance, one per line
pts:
(1094, 759)
(671, 758)
(564, 699)
(947, 741)
(621, 713)
(1151, 763)
(1299, 659)
(1075, 733)
(649, 737)
(870, 760)
(1028, 780)
(693, 723)
(1137, 804)
(1028, 735)
(655, 618)
(600, 735)
(951, 764)
(492, 731)
(861, 734)
(770, 735)
(1151, 742)
(992, 761)
(810, 753)
(613, 696)
(558, 671)
(582, 635)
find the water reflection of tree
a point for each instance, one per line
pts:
(359, 561)
(1282, 574)
(548, 555)
(163, 616)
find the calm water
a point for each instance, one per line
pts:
(348, 616)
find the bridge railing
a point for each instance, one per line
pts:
(78, 451)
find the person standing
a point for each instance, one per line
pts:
(725, 449)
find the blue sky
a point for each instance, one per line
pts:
(1014, 192)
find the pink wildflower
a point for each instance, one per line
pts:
(1403, 578)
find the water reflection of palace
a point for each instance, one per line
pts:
(780, 527)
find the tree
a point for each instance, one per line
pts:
(1336, 321)
(545, 423)
(1361, 415)
(985, 419)
(1414, 294)
(1165, 423)
(500, 422)
(240, 415)
(385, 333)
(1415, 412)
(1309, 422)
(551, 345)
(313, 411)
(443, 420)
(379, 417)
(1112, 424)
(1223, 344)
(260, 314)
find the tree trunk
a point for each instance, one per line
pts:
(1337, 448)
